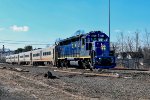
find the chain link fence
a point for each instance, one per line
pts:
(133, 63)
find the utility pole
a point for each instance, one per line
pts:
(137, 41)
(109, 21)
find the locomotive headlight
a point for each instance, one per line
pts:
(103, 47)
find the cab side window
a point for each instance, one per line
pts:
(83, 41)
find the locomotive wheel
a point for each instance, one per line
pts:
(90, 66)
(67, 64)
(84, 65)
(58, 64)
(61, 64)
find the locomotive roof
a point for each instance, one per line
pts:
(71, 38)
(78, 36)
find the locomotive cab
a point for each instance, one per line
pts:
(99, 50)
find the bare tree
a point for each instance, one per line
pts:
(147, 39)
(137, 46)
(120, 42)
(132, 43)
(129, 44)
(115, 46)
(121, 48)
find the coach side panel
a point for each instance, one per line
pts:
(47, 55)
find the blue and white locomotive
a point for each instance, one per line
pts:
(91, 50)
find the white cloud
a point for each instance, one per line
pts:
(19, 28)
(117, 30)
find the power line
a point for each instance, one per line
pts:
(22, 41)
(15, 43)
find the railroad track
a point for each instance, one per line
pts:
(116, 75)
(115, 72)
(68, 70)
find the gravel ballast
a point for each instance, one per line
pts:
(131, 85)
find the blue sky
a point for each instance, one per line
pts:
(43, 21)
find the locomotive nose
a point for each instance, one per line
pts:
(105, 62)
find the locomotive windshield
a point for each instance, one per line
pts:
(97, 37)
(94, 37)
(102, 38)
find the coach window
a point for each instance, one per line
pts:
(100, 39)
(26, 55)
(106, 40)
(49, 53)
(21, 56)
(34, 55)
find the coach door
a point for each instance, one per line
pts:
(40, 55)
(18, 58)
(31, 57)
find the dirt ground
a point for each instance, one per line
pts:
(29, 88)
(32, 85)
